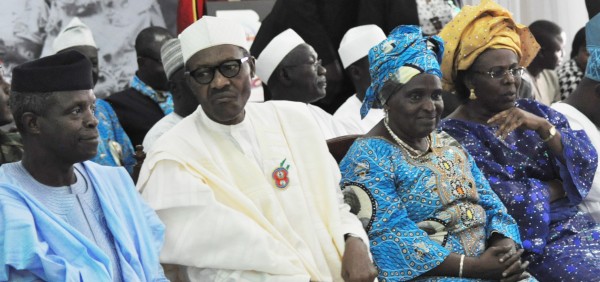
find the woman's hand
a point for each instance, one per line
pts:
(555, 189)
(497, 263)
(514, 118)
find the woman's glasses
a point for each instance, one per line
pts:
(229, 69)
(501, 73)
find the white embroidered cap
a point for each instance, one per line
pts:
(357, 42)
(208, 32)
(75, 34)
(275, 51)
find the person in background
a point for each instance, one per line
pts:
(571, 72)
(291, 70)
(322, 24)
(540, 73)
(184, 101)
(539, 167)
(430, 213)
(114, 24)
(63, 217)
(581, 109)
(353, 51)
(11, 145)
(147, 100)
(430, 15)
(248, 191)
(114, 148)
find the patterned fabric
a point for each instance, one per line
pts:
(434, 15)
(592, 70)
(442, 194)
(592, 36)
(11, 147)
(115, 148)
(163, 99)
(478, 28)
(569, 76)
(404, 54)
(561, 243)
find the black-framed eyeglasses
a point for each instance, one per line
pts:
(500, 73)
(229, 69)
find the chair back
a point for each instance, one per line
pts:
(338, 146)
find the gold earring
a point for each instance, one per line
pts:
(472, 96)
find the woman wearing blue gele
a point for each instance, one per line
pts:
(429, 212)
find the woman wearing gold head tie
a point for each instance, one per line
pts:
(540, 168)
(429, 212)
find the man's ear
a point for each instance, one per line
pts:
(354, 72)
(30, 123)
(283, 76)
(172, 86)
(252, 64)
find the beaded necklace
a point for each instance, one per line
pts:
(413, 153)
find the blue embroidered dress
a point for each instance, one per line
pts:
(399, 198)
(561, 243)
(112, 132)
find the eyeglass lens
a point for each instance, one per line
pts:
(229, 69)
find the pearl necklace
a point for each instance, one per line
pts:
(413, 153)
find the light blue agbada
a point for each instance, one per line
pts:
(34, 239)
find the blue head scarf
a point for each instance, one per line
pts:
(592, 38)
(404, 54)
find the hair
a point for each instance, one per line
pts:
(461, 91)
(578, 41)
(389, 88)
(23, 102)
(150, 40)
(544, 29)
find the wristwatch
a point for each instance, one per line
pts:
(551, 134)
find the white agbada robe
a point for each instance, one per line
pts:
(330, 127)
(213, 187)
(350, 112)
(578, 121)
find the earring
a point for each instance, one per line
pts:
(472, 96)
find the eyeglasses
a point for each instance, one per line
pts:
(500, 73)
(229, 69)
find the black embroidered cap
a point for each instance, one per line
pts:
(65, 71)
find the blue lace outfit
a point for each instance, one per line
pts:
(417, 210)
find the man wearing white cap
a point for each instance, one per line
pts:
(354, 51)
(184, 101)
(248, 192)
(115, 148)
(292, 71)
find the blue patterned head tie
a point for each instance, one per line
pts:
(405, 47)
(592, 38)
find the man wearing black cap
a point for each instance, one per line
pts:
(62, 217)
